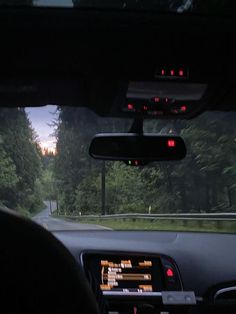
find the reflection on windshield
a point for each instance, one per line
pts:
(46, 172)
(205, 7)
(47, 3)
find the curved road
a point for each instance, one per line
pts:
(45, 219)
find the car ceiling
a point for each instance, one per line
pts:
(82, 57)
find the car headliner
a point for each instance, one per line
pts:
(80, 57)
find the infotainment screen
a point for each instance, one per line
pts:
(125, 274)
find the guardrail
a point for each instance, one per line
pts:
(182, 216)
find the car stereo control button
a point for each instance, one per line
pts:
(178, 297)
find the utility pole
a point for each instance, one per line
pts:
(50, 201)
(103, 186)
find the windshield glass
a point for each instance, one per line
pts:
(205, 7)
(46, 173)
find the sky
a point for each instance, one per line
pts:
(40, 118)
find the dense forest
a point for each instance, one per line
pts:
(203, 182)
(26, 175)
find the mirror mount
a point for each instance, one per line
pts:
(137, 126)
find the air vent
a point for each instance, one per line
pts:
(226, 296)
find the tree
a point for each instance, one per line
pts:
(21, 149)
(72, 162)
(8, 177)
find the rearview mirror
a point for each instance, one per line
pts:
(133, 146)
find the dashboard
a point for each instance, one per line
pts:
(157, 272)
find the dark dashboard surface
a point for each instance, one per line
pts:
(203, 259)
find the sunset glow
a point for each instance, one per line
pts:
(41, 119)
(48, 147)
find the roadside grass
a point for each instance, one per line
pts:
(162, 225)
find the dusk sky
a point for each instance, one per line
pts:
(40, 118)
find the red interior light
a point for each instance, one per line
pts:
(183, 108)
(136, 162)
(171, 143)
(172, 72)
(169, 272)
(130, 106)
(181, 73)
(145, 108)
(157, 99)
(162, 72)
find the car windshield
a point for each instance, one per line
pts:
(46, 173)
(205, 7)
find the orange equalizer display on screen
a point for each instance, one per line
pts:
(126, 275)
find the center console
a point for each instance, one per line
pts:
(131, 283)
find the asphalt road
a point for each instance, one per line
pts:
(45, 219)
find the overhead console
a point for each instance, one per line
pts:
(164, 99)
(171, 93)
